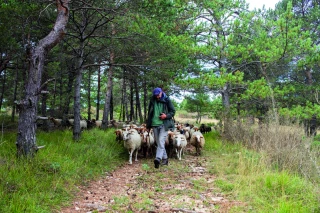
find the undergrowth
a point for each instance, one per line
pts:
(244, 175)
(49, 180)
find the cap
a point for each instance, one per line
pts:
(156, 91)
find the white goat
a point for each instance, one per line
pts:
(70, 121)
(179, 142)
(98, 123)
(187, 134)
(132, 142)
(83, 124)
(193, 130)
(197, 140)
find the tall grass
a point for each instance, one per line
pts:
(284, 147)
(245, 175)
(48, 181)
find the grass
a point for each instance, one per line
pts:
(243, 175)
(48, 182)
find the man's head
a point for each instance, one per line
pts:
(157, 92)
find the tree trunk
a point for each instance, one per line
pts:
(226, 103)
(77, 98)
(123, 113)
(61, 87)
(26, 136)
(54, 95)
(68, 97)
(89, 95)
(145, 97)
(111, 106)
(124, 96)
(226, 96)
(105, 119)
(132, 117)
(4, 63)
(98, 94)
(125, 103)
(14, 95)
(138, 105)
(57, 89)
(3, 88)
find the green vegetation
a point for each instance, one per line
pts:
(238, 174)
(243, 174)
(235, 65)
(48, 181)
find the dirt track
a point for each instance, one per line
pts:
(183, 186)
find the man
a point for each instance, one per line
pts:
(160, 114)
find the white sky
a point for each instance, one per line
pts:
(259, 4)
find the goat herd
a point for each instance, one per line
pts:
(84, 124)
(139, 138)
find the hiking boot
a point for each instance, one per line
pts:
(165, 162)
(156, 163)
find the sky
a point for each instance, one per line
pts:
(259, 3)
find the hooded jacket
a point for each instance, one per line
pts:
(168, 109)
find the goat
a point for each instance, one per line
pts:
(115, 124)
(83, 123)
(56, 122)
(70, 121)
(132, 142)
(169, 143)
(193, 129)
(197, 140)
(96, 123)
(119, 135)
(179, 142)
(147, 142)
(186, 133)
(205, 129)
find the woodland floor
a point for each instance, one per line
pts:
(183, 186)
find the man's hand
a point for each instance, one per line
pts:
(163, 116)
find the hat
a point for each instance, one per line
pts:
(156, 91)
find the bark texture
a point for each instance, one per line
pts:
(26, 138)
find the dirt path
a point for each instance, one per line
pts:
(183, 186)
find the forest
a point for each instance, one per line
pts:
(101, 59)
(255, 72)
